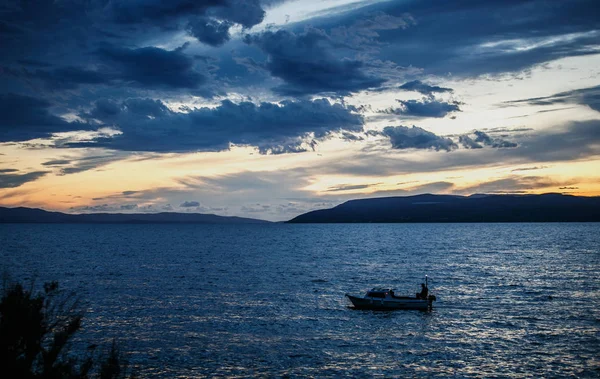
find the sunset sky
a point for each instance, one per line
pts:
(271, 108)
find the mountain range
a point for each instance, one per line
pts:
(30, 215)
(549, 207)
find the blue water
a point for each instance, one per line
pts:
(514, 300)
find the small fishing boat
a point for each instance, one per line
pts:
(384, 299)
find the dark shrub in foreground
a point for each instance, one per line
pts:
(35, 331)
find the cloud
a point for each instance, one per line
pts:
(10, 180)
(585, 96)
(56, 162)
(210, 31)
(157, 11)
(363, 33)
(307, 66)
(189, 204)
(403, 137)
(69, 77)
(426, 107)
(350, 187)
(86, 162)
(153, 67)
(425, 89)
(469, 38)
(236, 189)
(468, 142)
(511, 184)
(351, 137)
(364, 46)
(208, 21)
(24, 118)
(481, 139)
(431, 187)
(289, 126)
(528, 168)
(572, 141)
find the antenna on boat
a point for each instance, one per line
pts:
(426, 284)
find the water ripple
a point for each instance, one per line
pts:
(514, 300)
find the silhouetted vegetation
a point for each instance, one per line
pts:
(550, 207)
(35, 334)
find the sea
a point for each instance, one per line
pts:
(268, 300)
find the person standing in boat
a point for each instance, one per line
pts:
(424, 292)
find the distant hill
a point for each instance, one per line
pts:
(448, 208)
(31, 215)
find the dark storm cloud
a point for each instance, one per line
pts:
(153, 67)
(69, 77)
(208, 21)
(584, 96)
(214, 28)
(122, 29)
(32, 63)
(425, 89)
(403, 137)
(94, 20)
(211, 32)
(244, 12)
(426, 107)
(23, 118)
(49, 81)
(305, 62)
(148, 125)
(75, 53)
(470, 38)
(105, 109)
(364, 32)
(23, 19)
(9, 180)
(157, 11)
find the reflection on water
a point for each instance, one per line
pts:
(514, 300)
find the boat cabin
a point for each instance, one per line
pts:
(380, 293)
(384, 293)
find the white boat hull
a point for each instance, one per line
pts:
(390, 303)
